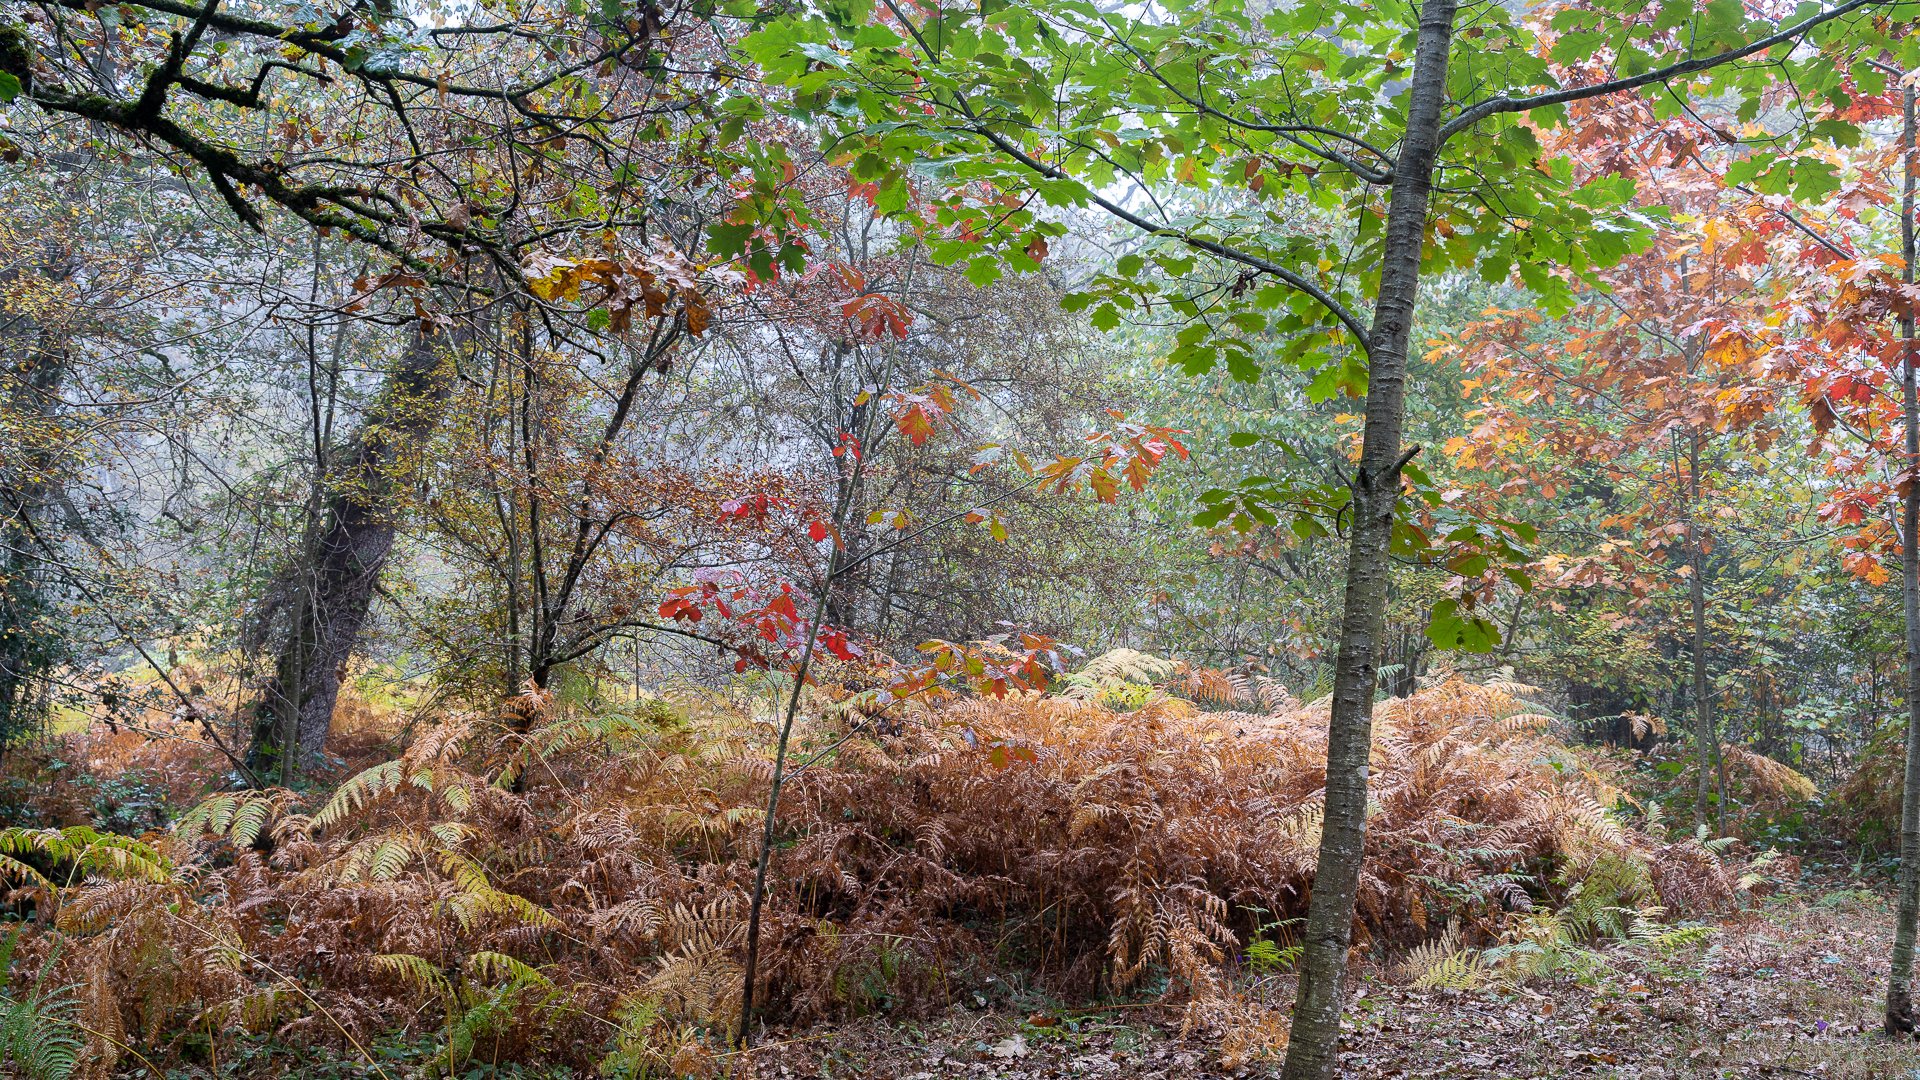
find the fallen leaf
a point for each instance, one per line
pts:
(1008, 1049)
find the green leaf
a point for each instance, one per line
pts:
(727, 240)
(1212, 515)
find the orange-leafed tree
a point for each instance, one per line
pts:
(1628, 421)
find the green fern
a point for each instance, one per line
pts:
(1122, 666)
(1465, 969)
(1602, 902)
(1652, 935)
(37, 1034)
(362, 790)
(646, 1045)
(1444, 964)
(240, 816)
(490, 1000)
(1717, 845)
(477, 897)
(85, 851)
(1757, 871)
(417, 972)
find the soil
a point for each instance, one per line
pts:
(1790, 987)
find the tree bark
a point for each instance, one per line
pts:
(27, 487)
(1899, 1012)
(1314, 1044)
(1704, 739)
(330, 588)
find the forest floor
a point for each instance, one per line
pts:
(1791, 988)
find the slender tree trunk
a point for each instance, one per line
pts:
(1314, 1045)
(332, 588)
(504, 507)
(544, 611)
(1899, 1018)
(1704, 740)
(512, 528)
(557, 635)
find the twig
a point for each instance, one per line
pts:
(774, 1045)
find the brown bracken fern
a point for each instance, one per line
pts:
(569, 885)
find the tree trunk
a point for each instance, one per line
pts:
(330, 588)
(1899, 1017)
(1315, 1039)
(1704, 740)
(27, 487)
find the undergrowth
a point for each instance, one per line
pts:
(578, 894)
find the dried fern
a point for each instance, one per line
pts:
(1127, 849)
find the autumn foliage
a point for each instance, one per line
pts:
(1132, 834)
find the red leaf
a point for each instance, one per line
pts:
(835, 642)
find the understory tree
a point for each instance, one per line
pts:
(1376, 145)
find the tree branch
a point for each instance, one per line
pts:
(1289, 132)
(979, 126)
(1509, 104)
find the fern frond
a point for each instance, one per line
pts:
(499, 968)
(477, 898)
(1117, 668)
(87, 851)
(258, 1009)
(38, 1036)
(1767, 776)
(417, 972)
(1676, 938)
(360, 791)
(1465, 969)
(37, 1039)
(239, 816)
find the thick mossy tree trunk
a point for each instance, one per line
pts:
(328, 591)
(1315, 1037)
(1899, 1016)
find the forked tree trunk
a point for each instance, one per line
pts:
(1899, 1016)
(329, 590)
(1314, 1044)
